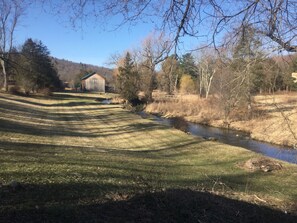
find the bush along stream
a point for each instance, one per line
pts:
(231, 137)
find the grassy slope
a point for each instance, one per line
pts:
(76, 159)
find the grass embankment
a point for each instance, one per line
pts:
(69, 158)
(274, 117)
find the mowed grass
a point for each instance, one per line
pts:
(70, 158)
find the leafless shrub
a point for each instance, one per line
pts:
(15, 90)
(45, 92)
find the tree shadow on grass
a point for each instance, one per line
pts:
(89, 100)
(35, 130)
(76, 95)
(77, 129)
(83, 201)
(176, 205)
(66, 104)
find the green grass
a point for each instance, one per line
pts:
(78, 160)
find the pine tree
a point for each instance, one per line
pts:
(36, 70)
(127, 80)
(188, 65)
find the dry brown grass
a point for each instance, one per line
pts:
(278, 122)
(192, 107)
(274, 116)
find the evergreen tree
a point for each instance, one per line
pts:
(188, 65)
(36, 70)
(127, 80)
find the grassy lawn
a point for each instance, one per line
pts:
(69, 158)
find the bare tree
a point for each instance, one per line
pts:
(10, 14)
(274, 19)
(170, 74)
(207, 70)
(238, 71)
(154, 50)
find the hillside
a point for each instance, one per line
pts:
(68, 70)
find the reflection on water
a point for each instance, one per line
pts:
(106, 101)
(231, 137)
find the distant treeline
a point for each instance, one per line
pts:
(69, 71)
(29, 69)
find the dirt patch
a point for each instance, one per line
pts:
(263, 164)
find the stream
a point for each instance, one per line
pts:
(231, 137)
(227, 136)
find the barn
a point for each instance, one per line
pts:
(93, 82)
(294, 75)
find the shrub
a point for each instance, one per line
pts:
(15, 90)
(46, 91)
(187, 84)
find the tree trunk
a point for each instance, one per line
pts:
(175, 84)
(149, 93)
(208, 85)
(170, 80)
(201, 86)
(5, 84)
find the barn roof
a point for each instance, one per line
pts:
(89, 75)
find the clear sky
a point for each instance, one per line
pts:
(90, 45)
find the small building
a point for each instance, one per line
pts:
(294, 75)
(93, 82)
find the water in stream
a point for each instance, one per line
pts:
(231, 137)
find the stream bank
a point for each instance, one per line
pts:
(227, 136)
(274, 116)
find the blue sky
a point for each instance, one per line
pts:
(91, 45)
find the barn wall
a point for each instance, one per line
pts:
(294, 75)
(95, 83)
